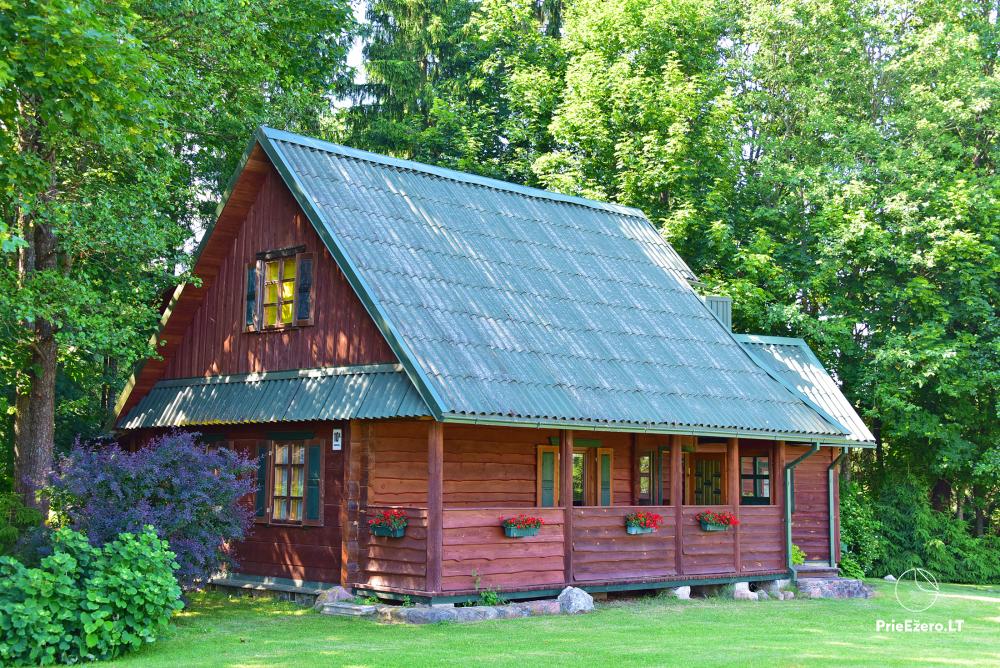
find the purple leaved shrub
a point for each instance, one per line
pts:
(191, 496)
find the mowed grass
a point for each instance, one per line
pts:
(221, 631)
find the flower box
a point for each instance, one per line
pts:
(642, 522)
(388, 532)
(521, 526)
(389, 523)
(710, 526)
(716, 521)
(635, 531)
(514, 532)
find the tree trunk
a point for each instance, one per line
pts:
(978, 503)
(941, 496)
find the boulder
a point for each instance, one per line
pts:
(762, 595)
(549, 606)
(890, 578)
(774, 586)
(741, 592)
(683, 593)
(332, 595)
(573, 600)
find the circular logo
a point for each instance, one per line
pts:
(919, 590)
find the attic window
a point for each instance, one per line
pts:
(279, 290)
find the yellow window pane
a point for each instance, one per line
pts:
(280, 482)
(281, 509)
(270, 315)
(287, 289)
(298, 454)
(270, 293)
(281, 454)
(289, 271)
(286, 312)
(271, 271)
(295, 512)
(298, 481)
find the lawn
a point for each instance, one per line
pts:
(219, 631)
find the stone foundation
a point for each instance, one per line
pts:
(833, 588)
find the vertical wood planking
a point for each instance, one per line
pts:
(435, 504)
(677, 496)
(566, 498)
(733, 492)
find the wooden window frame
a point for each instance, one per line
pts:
(688, 469)
(258, 269)
(268, 517)
(554, 449)
(599, 480)
(756, 478)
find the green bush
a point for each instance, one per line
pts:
(86, 603)
(798, 555)
(860, 532)
(15, 519)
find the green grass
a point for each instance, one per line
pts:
(219, 631)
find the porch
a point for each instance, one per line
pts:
(456, 482)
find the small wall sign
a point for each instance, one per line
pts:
(338, 439)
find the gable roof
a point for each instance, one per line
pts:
(507, 304)
(793, 360)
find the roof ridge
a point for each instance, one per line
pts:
(446, 173)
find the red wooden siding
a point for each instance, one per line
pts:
(762, 538)
(395, 563)
(215, 343)
(603, 551)
(302, 553)
(397, 470)
(811, 519)
(706, 552)
(475, 545)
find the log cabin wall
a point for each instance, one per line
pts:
(215, 342)
(299, 553)
(811, 519)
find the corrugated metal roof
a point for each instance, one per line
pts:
(507, 303)
(795, 361)
(336, 393)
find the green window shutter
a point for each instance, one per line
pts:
(605, 465)
(314, 484)
(260, 498)
(303, 290)
(548, 474)
(250, 321)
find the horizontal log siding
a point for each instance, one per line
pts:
(299, 553)
(399, 563)
(475, 545)
(706, 552)
(397, 473)
(762, 538)
(811, 519)
(602, 550)
(215, 342)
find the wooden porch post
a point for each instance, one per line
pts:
(566, 498)
(435, 504)
(677, 498)
(778, 486)
(733, 494)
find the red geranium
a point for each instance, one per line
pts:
(522, 522)
(644, 520)
(725, 519)
(393, 519)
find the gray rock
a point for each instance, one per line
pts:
(573, 600)
(741, 592)
(890, 578)
(345, 609)
(546, 607)
(834, 588)
(332, 595)
(762, 595)
(788, 595)
(682, 593)
(774, 586)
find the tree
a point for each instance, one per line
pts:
(120, 119)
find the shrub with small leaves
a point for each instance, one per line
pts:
(86, 603)
(191, 495)
(798, 555)
(16, 519)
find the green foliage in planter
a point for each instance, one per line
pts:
(87, 603)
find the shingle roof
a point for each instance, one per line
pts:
(794, 360)
(507, 303)
(335, 393)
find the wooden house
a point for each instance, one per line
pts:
(383, 334)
